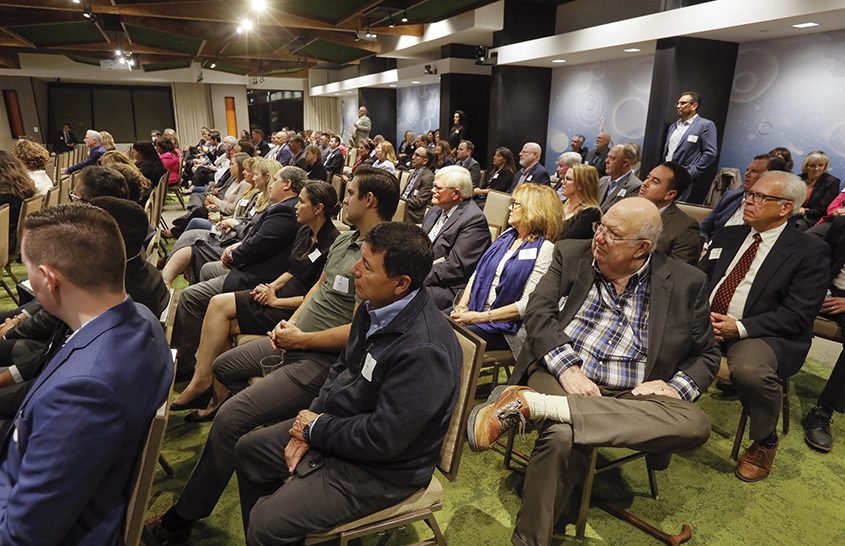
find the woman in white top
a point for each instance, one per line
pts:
(385, 157)
(35, 157)
(495, 298)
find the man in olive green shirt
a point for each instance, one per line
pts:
(312, 339)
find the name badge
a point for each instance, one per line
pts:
(561, 302)
(715, 253)
(527, 254)
(15, 435)
(341, 284)
(530, 176)
(439, 260)
(369, 366)
(243, 202)
(314, 255)
(692, 138)
(495, 176)
(622, 192)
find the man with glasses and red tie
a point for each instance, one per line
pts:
(417, 194)
(766, 282)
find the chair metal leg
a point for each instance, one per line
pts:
(785, 423)
(11, 273)
(740, 434)
(584, 510)
(166, 466)
(652, 482)
(431, 521)
(509, 449)
(10, 291)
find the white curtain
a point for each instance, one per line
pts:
(321, 113)
(192, 105)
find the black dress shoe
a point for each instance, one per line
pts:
(163, 536)
(200, 402)
(195, 417)
(817, 430)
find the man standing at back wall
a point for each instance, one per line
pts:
(691, 141)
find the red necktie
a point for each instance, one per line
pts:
(726, 290)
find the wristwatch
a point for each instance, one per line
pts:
(306, 432)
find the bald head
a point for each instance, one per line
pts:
(530, 154)
(636, 218)
(602, 140)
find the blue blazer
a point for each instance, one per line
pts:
(721, 213)
(697, 149)
(68, 462)
(537, 174)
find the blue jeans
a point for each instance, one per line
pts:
(198, 223)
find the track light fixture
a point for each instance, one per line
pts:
(87, 13)
(405, 17)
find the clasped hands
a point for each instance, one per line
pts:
(286, 336)
(297, 447)
(724, 327)
(263, 294)
(574, 381)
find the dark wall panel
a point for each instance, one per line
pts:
(471, 94)
(381, 109)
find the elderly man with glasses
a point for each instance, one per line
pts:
(620, 337)
(766, 283)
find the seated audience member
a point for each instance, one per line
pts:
(37, 335)
(619, 380)
(442, 155)
(531, 171)
(581, 209)
(202, 243)
(459, 234)
(282, 152)
(620, 181)
(680, 238)
(257, 311)
(148, 161)
(297, 153)
(577, 145)
(729, 210)
(108, 140)
(314, 163)
(169, 158)
(154, 134)
(313, 339)
(463, 158)
(15, 187)
(766, 282)
(262, 254)
(211, 169)
(786, 155)
(333, 161)
(565, 161)
(494, 301)
(137, 184)
(94, 141)
(406, 149)
(597, 157)
(384, 416)
(34, 156)
(66, 141)
(245, 146)
(364, 148)
(500, 178)
(65, 477)
(261, 146)
(822, 188)
(417, 193)
(99, 181)
(385, 157)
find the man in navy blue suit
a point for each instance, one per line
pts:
(532, 170)
(691, 141)
(70, 456)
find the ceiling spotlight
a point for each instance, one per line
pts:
(130, 62)
(558, 61)
(632, 50)
(87, 13)
(390, 21)
(405, 17)
(258, 5)
(77, 1)
(212, 65)
(122, 60)
(246, 25)
(118, 52)
(805, 25)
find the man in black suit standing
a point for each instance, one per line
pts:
(66, 140)
(624, 334)
(680, 238)
(465, 160)
(598, 155)
(766, 283)
(334, 158)
(458, 231)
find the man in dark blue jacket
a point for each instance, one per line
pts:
(369, 440)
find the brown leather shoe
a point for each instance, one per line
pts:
(505, 407)
(756, 463)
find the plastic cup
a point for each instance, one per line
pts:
(271, 363)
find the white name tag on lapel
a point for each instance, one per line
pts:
(561, 302)
(243, 202)
(528, 254)
(341, 284)
(15, 435)
(692, 138)
(715, 253)
(530, 176)
(439, 260)
(622, 192)
(314, 255)
(369, 366)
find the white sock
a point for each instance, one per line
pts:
(544, 406)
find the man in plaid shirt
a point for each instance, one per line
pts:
(622, 336)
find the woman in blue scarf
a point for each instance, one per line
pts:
(496, 295)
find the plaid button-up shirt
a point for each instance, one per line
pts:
(609, 336)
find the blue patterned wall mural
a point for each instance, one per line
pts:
(417, 109)
(587, 98)
(788, 92)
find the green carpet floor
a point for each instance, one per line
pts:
(801, 502)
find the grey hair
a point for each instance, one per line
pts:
(455, 176)
(297, 177)
(90, 133)
(229, 141)
(794, 189)
(570, 158)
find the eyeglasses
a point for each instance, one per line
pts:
(424, 156)
(599, 228)
(514, 204)
(441, 188)
(758, 197)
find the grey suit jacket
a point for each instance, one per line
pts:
(679, 333)
(680, 238)
(420, 197)
(629, 186)
(457, 249)
(474, 170)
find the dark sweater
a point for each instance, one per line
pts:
(394, 425)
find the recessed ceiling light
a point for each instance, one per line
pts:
(130, 62)
(336, 94)
(392, 85)
(246, 24)
(558, 61)
(414, 81)
(258, 5)
(632, 50)
(805, 25)
(118, 52)
(77, 1)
